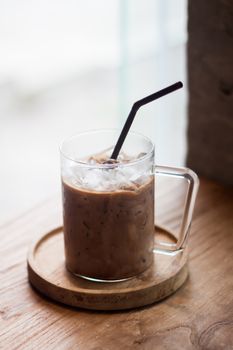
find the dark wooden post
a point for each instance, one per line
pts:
(210, 79)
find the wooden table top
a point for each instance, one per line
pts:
(198, 316)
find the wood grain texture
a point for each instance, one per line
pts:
(47, 273)
(198, 316)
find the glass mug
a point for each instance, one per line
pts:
(108, 209)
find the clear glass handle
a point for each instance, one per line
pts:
(193, 184)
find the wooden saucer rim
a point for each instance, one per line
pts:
(89, 304)
(33, 267)
(106, 299)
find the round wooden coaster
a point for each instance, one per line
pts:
(47, 273)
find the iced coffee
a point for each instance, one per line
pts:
(108, 212)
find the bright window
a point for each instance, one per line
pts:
(70, 66)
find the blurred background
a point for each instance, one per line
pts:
(70, 66)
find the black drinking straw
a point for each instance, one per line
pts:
(134, 110)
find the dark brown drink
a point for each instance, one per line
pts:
(109, 235)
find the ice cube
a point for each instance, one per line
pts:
(109, 178)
